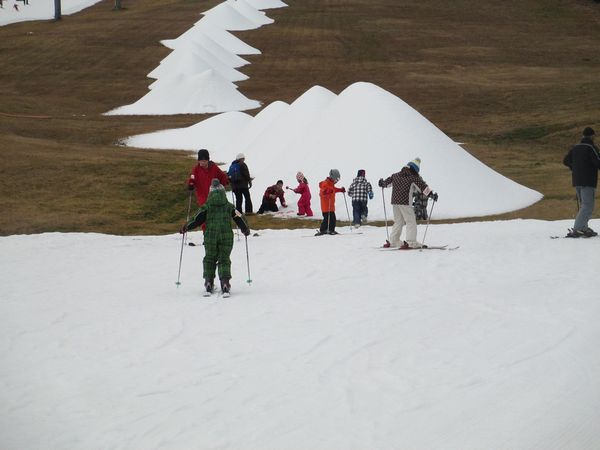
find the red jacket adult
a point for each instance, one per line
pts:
(327, 192)
(201, 178)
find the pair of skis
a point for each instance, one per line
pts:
(216, 293)
(429, 247)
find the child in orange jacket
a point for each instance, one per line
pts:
(327, 191)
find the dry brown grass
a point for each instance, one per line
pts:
(515, 80)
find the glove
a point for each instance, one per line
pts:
(434, 196)
(370, 195)
(284, 205)
(380, 183)
(183, 229)
(249, 184)
(246, 232)
(191, 187)
(343, 189)
(287, 187)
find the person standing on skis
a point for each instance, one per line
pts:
(404, 183)
(304, 191)
(217, 213)
(361, 192)
(584, 161)
(327, 191)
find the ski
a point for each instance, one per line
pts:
(336, 234)
(429, 247)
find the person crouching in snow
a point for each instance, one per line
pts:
(304, 191)
(269, 201)
(404, 183)
(327, 191)
(217, 213)
(361, 192)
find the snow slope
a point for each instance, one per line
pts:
(364, 127)
(39, 9)
(335, 344)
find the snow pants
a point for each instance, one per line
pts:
(240, 195)
(404, 215)
(268, 205)
(586, 195)
(217, 250)
(359, 211)
(304, 206)
(329, 221)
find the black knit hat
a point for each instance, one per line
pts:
(203, 155)
(588, 131)
(360, 173)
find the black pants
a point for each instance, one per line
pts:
(241, 194)
(328, 220)
(268, 205)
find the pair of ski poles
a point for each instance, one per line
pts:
(184, 237)
(386, 221)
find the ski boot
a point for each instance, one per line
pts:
(208, 287)
(588, 232)
(573, 233)
(225, 287)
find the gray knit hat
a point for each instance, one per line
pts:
(334, 174)
(215, 185)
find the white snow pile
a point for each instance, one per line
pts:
(39, 9)
(334, 345)
(364, 127)
(199, 76)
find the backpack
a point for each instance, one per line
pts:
(235, 172)
(420, 205)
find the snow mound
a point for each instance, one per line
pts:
(365, 127)
(207, 92)
(266, 4)
(236, 16)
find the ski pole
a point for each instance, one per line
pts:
(237, 229)
(249, 280)
(427, 226)
(385, 213)
(178, 283)
(347, 212)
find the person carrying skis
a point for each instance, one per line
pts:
(241, 182)
(584, 161)
(327, 191)
(361, 192)
(217, 213)
(304, 191)
(404, 183)
(269, 201)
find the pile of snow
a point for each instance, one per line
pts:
(335, 344)
(364, 127)
(39, 9)
(202, 68)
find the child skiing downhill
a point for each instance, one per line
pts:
(217, 213)
(304, 191)
(327, 191)
(404, 183)
(361, 192)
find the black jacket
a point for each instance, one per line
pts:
(243, 181)
(584, 161)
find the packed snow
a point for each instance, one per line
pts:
(364, 127)
(38, 9)
(202, 68)
(334, 344)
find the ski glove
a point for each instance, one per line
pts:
(380, 183)
(190, 187)
(246, 232)
(434, 196)
(370, 195)
(183, 229)
(343, 189)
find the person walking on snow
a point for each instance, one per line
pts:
(404, 183)
(361, 192)
(304, 191)
(217, 213)
(584, 161)
(272, 193)
(327, 191)
(241, 182)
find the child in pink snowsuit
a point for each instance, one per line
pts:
(304, 191)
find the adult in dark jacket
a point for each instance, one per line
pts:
(584, 161)
(404, 183)
(241, 182)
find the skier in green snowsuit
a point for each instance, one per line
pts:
(217, 213)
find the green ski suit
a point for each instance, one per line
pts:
(217, 213)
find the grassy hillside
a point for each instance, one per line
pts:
(515, 80)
